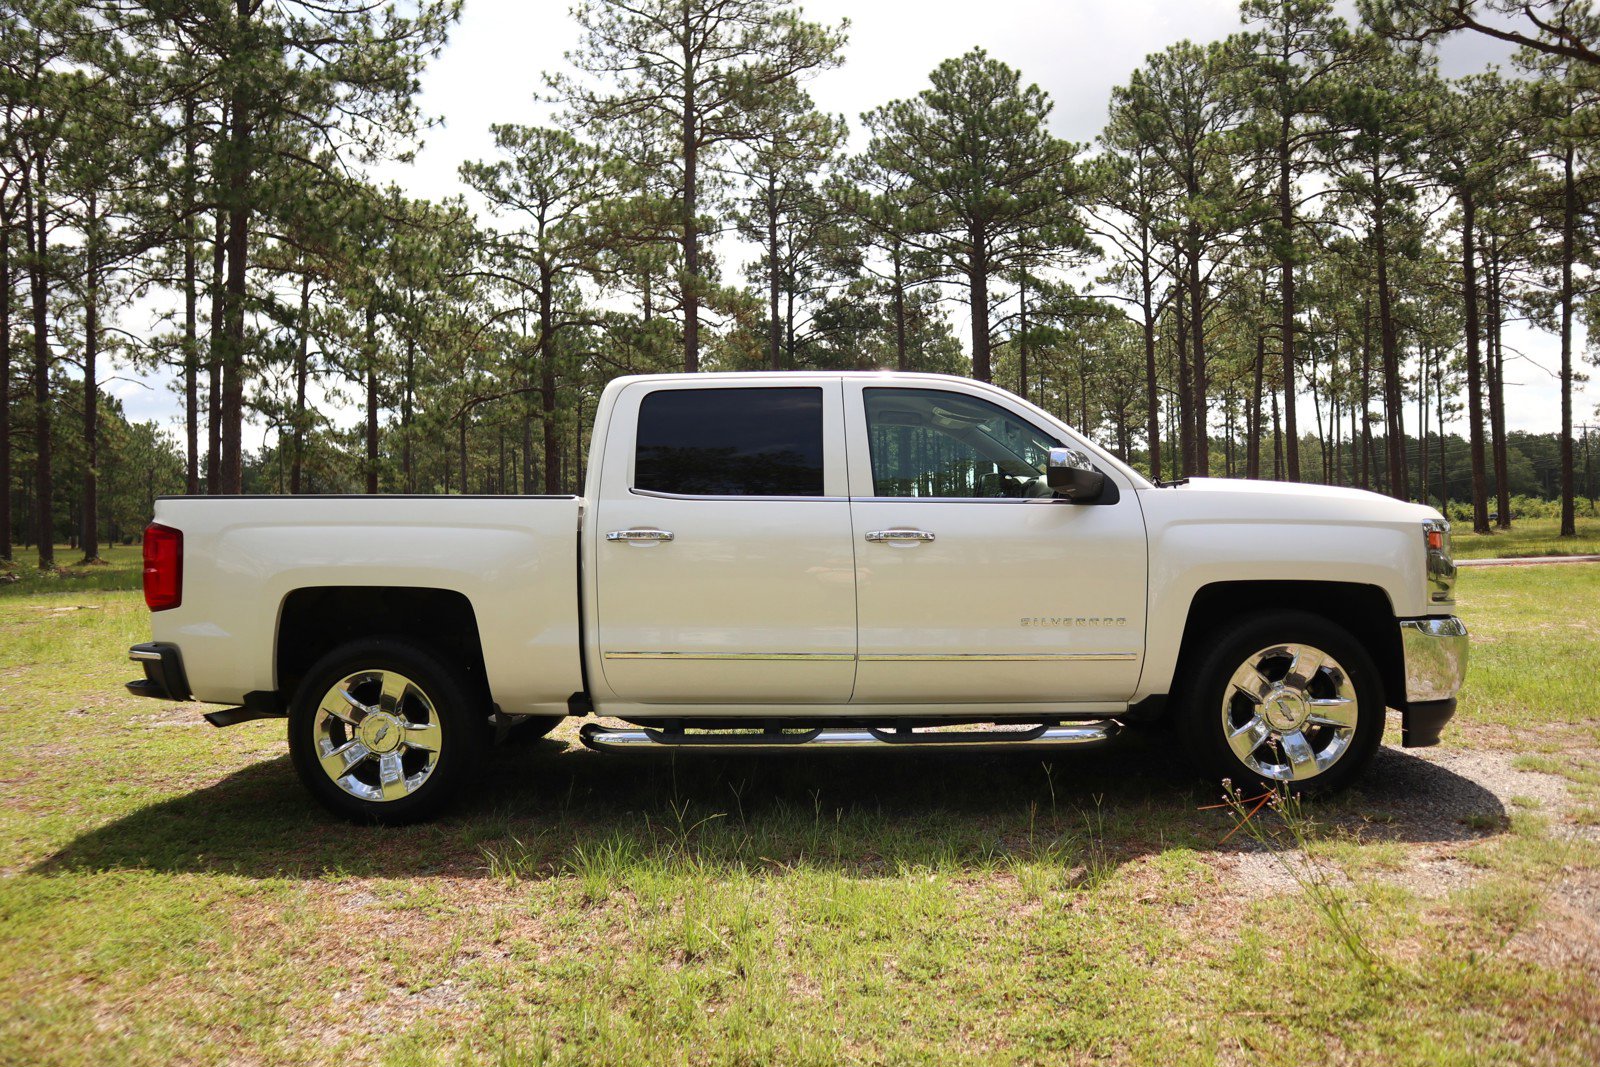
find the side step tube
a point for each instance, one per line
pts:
(638, 739)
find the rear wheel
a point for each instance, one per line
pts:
(383, 731)
(1283, 698)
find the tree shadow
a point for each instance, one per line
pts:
(548, 806)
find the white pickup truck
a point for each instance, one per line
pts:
(823, 560)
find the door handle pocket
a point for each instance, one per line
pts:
(899, 537)
(640, 536)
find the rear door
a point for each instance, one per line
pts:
(725, 569)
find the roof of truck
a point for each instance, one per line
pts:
(798, 375)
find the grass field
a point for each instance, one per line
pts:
(1527, 537)
(169, 895)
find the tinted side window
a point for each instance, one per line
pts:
(730, 442)
(932, 443)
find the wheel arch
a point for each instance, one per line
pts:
(1364, 611)
(313, 620)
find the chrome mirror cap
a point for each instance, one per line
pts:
(1072, 475)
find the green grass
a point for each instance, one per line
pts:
(120, 568)
(1527, 537)
(169, 895)
(1534, 631)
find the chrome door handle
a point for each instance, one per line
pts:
(899, 537)
(640, 536)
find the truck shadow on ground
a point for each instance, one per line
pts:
(548, 807)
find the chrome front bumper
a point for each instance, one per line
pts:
(1435, 651)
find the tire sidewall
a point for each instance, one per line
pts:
(463, 729)
(1201, 723)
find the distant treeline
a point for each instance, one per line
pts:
(1303, 223)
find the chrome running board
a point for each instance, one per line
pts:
(636, 739)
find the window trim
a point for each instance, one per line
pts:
(659, 494)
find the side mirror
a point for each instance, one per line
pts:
(1072, 475)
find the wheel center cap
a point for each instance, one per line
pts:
(380, 732)
(1285, 710)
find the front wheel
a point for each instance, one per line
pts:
(1285, 699)
(382, 731)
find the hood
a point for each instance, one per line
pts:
(1246, 499)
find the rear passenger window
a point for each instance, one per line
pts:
(730, 442)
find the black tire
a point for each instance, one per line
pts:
(439, 707)
(1204, 721)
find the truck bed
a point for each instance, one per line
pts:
(515, 559)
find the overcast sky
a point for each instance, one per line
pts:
(1077, 50)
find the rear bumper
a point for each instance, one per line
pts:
(163, 672)
(164, 679)
(1435, 651)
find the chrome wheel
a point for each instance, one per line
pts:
(1289, 712)
(377, 735)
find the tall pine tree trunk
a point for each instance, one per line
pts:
(1022, 337)
(36, 210)
(214, 360)
(978, 276)
(408, 391)
(5, 375)
(691, 230)
(901, 356)
(1497, 399)
(239, 170)
(1469, 292)
(1438, 393)
(1277, 440)
(547, 381)
(1569, 223)
(772, 273)
(1335, 428)
(1393, 401)
(231, 468)
(302, 371)
(1286, 297)
(1367, 458)
(527, 452)
(1252, 462)
(371, 345)
(1185, 395)
(191, 314)
(93, 247)
(1197, 327)
(1152, 399)
(1422, 426)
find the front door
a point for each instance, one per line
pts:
(973, 583)
(724, 561)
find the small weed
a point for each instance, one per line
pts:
(1293, 849)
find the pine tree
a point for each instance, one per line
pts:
(556, 187)
(690, 79)
(1296, 49)
(997, 185)
(1184, 103)
(782, 208)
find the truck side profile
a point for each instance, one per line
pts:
(811, 560)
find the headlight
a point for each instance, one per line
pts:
(1441, 568)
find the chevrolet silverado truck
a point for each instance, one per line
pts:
(810, 561)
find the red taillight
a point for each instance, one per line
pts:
(163, 567)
